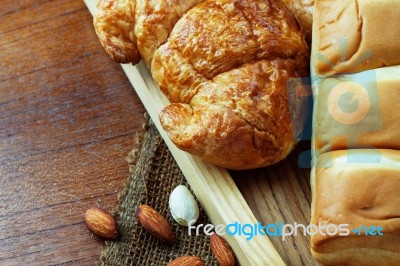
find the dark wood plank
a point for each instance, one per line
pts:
(67, 120)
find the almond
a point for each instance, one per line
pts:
(101, 223)
(187, 261)
(155, 224)
(222, 251)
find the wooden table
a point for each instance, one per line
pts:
(68, 116)
(67, 120)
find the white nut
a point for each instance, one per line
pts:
(183, 206)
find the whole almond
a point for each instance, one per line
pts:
(222, 251)
(155, 224)
(101, 223)
(187, 261)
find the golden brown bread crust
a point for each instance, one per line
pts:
(130, 29)
(154, 22)
(114, 22)
(351, 36)
(174, 74)
(207, 48)
(238, 120)
(359, 194)
(236, 114)
(358, 256)
(303, 10)
(355, 35)
(375, 122)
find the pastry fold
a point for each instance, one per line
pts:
(224, 65)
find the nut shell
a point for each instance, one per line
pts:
(187, 261)
(222, 251)
(101, 223)
(155, 224)
(183, 206)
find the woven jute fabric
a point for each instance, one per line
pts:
(153, 175)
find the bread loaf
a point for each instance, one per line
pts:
(358, 188)
(356, 134)
(373, 122)
(223, 64)
(355, 35)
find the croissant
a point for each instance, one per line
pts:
(223, 64)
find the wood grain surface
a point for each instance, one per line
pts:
(281, 193)
(68, 116)
(67, 120)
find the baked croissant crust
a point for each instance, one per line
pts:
(239, 119)
(130, 30)
(303, 10)
(114, 22)
(224, 65)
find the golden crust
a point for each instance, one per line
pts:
(228, 62)
(239, 120)
(358, 256)
(303, 10)
(114, 22)
(376, 123)
(174, 74)
(370, 38)
(154, 22)
(356, 174)
(130, 30)
(217, 36)
(357, 194)
(239, 52)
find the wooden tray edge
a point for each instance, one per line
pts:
(226, 204)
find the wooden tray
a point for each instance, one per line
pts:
(280, 193)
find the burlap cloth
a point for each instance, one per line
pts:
(153, 175)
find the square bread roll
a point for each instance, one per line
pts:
(359, 111)
(355, 35)
(359, 188)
